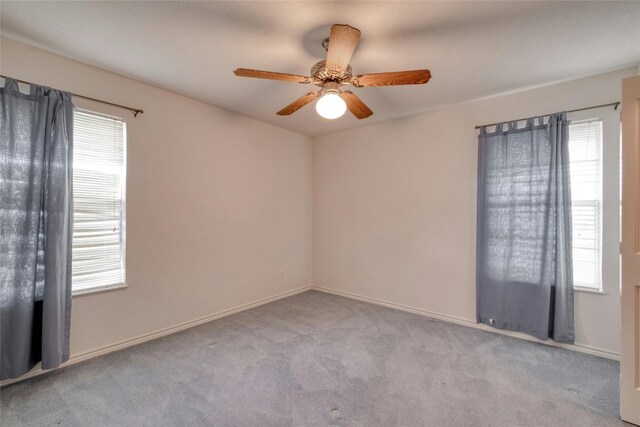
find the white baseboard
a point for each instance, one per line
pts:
(154, 335)
(470, 323)
(173, 329)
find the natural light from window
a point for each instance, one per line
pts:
(585, 157)
(98, 196)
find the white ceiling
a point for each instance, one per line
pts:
(474, 49)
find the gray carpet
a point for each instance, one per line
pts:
(316, 359)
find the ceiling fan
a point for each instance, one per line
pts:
(334, 72)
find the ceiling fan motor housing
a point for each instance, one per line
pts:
(321, 74)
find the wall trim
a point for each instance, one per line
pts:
(37, 370)
(594, 351)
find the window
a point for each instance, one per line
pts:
(585, 157)
(98, 197)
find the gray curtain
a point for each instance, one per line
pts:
(36, 224)
(524, 263)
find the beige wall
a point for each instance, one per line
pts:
(394, 206)
(217, 204)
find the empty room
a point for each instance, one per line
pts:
(319, 213)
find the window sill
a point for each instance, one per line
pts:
(99, 290)
(589, 291)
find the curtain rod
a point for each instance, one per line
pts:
(135, 111)
(611, 104)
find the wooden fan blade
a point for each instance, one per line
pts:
(298, 103)
(355, 105)
(413, 77)
(271, 75)
(342, 42)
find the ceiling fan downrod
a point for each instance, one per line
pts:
(325, 44)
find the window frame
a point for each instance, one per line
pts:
(123, 209)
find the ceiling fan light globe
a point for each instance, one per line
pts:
(331, 106)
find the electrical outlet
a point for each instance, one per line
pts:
(281, 275)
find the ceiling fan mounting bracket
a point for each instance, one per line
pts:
(325, 44)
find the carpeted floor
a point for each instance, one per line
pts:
(316, 359)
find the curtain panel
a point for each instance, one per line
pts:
(524, 262)
(36, 225)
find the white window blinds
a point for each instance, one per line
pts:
(98, 196)
(585, 156)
